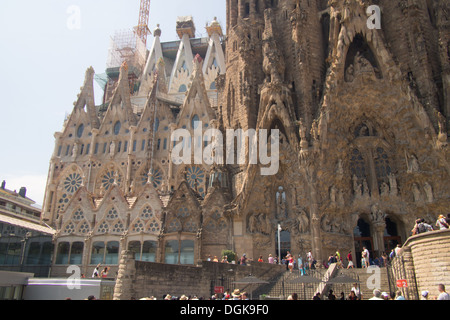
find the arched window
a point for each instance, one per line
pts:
(117, 127)
(182, 88)
(80, 130)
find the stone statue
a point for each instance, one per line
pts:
(393, 184)
(112, 148)
(366, 191)
(357, 187)
(303, 221)
(333, 192)
(384, 189)
(416, 193)
(429, 192)
(413, 165)
(281, 204)
(376, 214)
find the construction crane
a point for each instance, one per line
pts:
(142, 30)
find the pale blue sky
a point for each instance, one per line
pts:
(43, 63)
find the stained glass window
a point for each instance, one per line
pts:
(73, 182)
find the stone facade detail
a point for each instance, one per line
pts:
(363, 120)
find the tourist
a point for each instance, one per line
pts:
(357, 291)
(350, 260)
(244, 260)
(443, 295)
(317, 296)
(271, 260)
(392, 254)
(226, 295)
(301, 267)
(224, 259)
(342, 296)
(385, 296)
(352, 296)
(236, 294)
(441, 223)
(244, 296)
(215, 259)
(397, 249)
(424, 295)
(294, 296)
(385, 259)
(96, 273)
(376, 295)
(310, 258)
(399, 296)
(260, 259)
(331, 296)
(421, 227)
(290, 262)
(104, 272)
(366, 257)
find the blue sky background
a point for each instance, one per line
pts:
(43, 63)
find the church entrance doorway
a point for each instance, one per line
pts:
(284, 245)
(362, 238)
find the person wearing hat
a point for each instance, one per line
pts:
(244, 260)
(441, 223)
(236, 294)
(424, 295)
(385, 296)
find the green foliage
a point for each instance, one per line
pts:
(231, 256)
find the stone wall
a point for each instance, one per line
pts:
(428, 256)
(137, 279)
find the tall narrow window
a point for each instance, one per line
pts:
(80, 130)
(117, 127)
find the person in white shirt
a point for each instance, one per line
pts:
(441, 223)
(376, 295)
(367, 256)
(442, 294)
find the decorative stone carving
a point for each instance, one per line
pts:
(302, 221)
(428, 192)
(259, 223)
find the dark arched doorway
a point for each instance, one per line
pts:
(285, 243)
(363, 238)
(391, 236)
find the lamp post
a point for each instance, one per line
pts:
(279, 244)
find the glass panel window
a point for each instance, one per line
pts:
(135, 247)
(34, 252)
(171, 254)
(76, 254)
(98, 252)
(47, 253)
(149, 251)
(112, 253)
(62, 254)
(187, 252)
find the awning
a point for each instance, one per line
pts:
(27, 225)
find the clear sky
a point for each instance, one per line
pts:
(45, 48)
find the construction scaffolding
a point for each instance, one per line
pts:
(126, 46)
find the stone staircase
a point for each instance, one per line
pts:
(281, 287)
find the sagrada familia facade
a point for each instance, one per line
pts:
(362, 114)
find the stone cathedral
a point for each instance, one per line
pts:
(362, 114)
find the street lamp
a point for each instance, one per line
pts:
(279, 244)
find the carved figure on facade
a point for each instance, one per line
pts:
(302, 221)
(259, 223)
